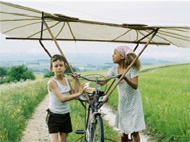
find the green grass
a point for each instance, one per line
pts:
(17, 104)
(165, 95)
(77, 117)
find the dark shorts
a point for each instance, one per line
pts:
(59, 123)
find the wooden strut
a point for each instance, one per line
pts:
(130, 42)
(47, 27)
(110, 86)
(41, 35)
(44, 48)
(154, 33)
(76, 79)
(141, 40)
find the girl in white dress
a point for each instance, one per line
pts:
(130, 116)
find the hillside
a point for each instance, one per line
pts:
(39, 64)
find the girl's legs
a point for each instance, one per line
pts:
(136, 137)
(63, 137)
(124, 137)
(54, 137)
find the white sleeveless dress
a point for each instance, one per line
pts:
(130, 116)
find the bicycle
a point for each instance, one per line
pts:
(94, 129)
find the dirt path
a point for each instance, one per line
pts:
(109, 116)
(37, 131)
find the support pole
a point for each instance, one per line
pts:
(141, 40)
(41, 35)
(45, 48)
(55, 41)
(109, 86)
(154, 33)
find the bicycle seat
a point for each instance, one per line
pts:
(83, 98)
(90, 90)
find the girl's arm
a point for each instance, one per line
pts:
(52, 86)
(104, 82)
(133, 82)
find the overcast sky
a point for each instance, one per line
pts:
(137, 12)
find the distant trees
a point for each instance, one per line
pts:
(3, 74)
(49, 74)
(68, 70)
(3, 71)
(20, 72)
(15, 73)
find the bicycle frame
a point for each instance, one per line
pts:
(90, 117)
(93, 117)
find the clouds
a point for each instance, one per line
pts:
(141, 12)
(169, 53)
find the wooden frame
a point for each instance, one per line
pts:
(107, 92)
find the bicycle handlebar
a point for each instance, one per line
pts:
(93, 80)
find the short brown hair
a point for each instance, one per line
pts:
(57, 57)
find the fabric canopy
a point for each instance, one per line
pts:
(18, 22)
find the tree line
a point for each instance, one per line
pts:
(15, 73)
(21, 72)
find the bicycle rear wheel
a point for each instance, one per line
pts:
(97, 132)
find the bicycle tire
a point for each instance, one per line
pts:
(88, 126)
(97, 132)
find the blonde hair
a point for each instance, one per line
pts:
(129, 59)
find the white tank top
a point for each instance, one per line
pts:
(55, 105)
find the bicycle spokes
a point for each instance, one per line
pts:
(98, 131)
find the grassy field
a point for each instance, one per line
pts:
(17, 104)
(165, 94)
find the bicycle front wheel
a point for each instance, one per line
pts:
(97, 132)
